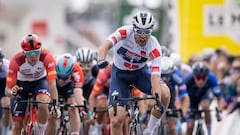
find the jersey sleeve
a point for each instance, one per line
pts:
(78, 76)
(50, 66)
(118, 35)
(155, 56)
(215, 85)
(12, 74)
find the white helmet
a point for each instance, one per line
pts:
(177, 60)
(143, 20)
(167, 65)
(85, 55)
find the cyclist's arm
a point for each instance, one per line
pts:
(103, 49)
(11, 77)
(78, 95)
(53, 89)
(102, 78)
(50, 66)
(78, 77)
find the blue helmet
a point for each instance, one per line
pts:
(65, 64)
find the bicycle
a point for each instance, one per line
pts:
(134, 113)
(31, 125)
(161, 128)
(64, 128)
(199, 118)
(97, 131)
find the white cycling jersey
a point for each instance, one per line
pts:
(4, 69)
(128, 55)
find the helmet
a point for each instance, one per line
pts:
(31, 42)
(200, 68)
(167, 65)
(65, 64)
(84, 55)
(176, 59)
(143, 20)
(165, 51)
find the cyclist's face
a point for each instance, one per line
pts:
(141, 36)
(86, 67)
(166, 77)
(200, 80)
(33, 59)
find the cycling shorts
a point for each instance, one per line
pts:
(34, 87)
(122, 79)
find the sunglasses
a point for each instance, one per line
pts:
(62, 77)
(201, 77)
(32, 52)
(167, 76)
(143, 31)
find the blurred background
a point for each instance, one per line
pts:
(184, 26)
(188, 27)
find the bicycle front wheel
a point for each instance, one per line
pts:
(62, 131)
(135, 130)
(199, 130)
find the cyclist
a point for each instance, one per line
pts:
(31, 70)
(173, 78)
(183, 68)
(69, 85)
(201, 85)
(5, 100)
(86, 57)
(133, 46)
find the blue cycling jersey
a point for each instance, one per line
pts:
(211, 84)
(177, 80)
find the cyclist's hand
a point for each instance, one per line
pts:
(102, 63)
(55, 112)
(15, 90)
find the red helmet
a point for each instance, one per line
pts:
(31, 42)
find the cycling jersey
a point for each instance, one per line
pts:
(3, 76)
(103, 81)
(20, 69)
(128, 55)
(198, 94)
(177, 80)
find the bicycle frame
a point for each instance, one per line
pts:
(135, 127)
(63, 130)
(30, 128)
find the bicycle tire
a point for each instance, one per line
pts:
(162, 129)
(135, 130)
(62, 131)
(83, 130)
(199, 130)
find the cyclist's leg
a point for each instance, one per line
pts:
(6, 116)
(42, 94)
(205, 104)
(101, 118)
(163, 92)
(172, 118)
(18, 115)
(74, 117)
(191, 117)
(5, 103)
(121, 88)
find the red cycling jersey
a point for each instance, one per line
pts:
(78, 76)
(103, 78)
(20, 69)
